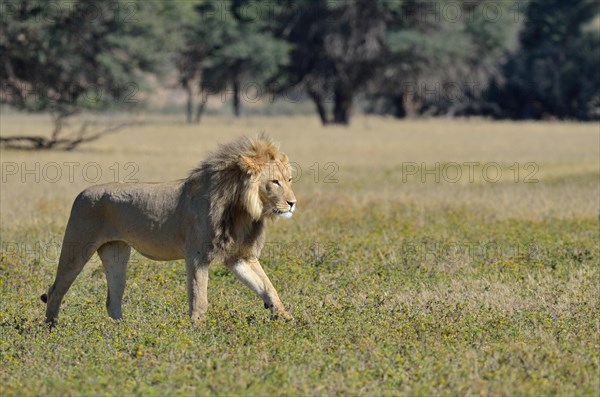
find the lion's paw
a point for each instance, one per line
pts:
(282, 314)
(198, 319)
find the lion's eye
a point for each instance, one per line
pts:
(275, 181)
(290, 180)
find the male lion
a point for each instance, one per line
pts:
(220, 209)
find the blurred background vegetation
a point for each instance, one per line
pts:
(535, 59)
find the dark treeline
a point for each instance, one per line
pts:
(505, 59)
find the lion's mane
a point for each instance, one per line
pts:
(229, 181)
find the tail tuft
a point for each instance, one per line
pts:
(44, 298)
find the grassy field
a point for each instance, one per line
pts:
(426, 257)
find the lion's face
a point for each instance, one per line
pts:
(275, 190)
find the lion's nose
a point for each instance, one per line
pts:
(291, 203)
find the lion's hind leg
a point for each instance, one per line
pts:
(73, 257)
(114, 256)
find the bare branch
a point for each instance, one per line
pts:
(82, 138)
(58, 142)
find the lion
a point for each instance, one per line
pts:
(219, 210)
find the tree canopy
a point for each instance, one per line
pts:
(555, 72)
(403, 57)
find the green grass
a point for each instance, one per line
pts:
(440, 312)
(396, 289)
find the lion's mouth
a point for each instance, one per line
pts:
(283, 214)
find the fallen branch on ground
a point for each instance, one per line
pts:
(57, 142)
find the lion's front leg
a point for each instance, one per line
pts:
(251, 273)
(197, 287)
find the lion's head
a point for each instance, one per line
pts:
(271, 191)
(248, 180)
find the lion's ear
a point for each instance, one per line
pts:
(249, 165)
(284, 158)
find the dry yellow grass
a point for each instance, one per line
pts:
(367, 160)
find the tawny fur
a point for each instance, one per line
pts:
(220, 209)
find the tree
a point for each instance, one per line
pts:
(555, 71)
(336, 50)
(440, 55)
(190, 56)
(233, 45)
(63, 57)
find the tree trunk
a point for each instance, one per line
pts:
(236, 96)
(190, 100)
(317, 98)
(411, 105)
(342, 105)
(200, 110)
(322, 112)
(399, 111)
(191, 85)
